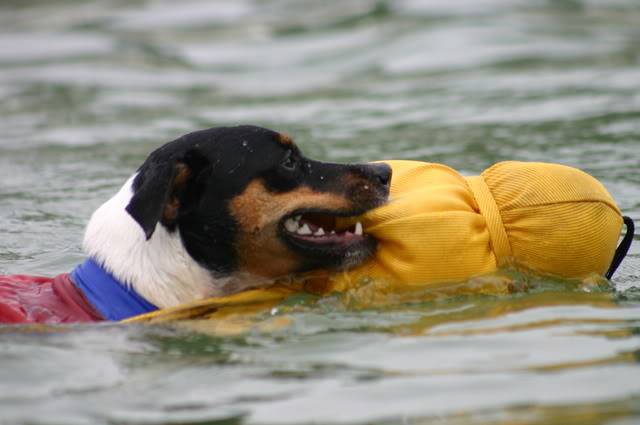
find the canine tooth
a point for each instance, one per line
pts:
(319, 232)
(291, 225)
(304, 230)
(333, 232)
(358, 230)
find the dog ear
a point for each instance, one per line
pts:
(163, 189)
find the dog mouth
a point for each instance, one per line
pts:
(323, 240)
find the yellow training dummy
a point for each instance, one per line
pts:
(440, 227)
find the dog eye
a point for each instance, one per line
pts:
(289, 162)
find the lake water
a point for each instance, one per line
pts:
(88, 88)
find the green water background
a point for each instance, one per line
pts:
(88, 88)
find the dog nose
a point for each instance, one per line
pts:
(381, 172)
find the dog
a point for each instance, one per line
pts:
(212, 213)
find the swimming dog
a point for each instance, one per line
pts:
(211, 213)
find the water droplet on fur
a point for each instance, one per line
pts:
(244, 143)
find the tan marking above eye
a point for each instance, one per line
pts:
(285, 139)
(258, 212)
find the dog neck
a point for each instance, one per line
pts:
(159, 269)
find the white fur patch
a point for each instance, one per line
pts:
(159, 269)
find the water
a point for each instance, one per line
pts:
(87, 89)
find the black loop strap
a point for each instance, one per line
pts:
(623, 248)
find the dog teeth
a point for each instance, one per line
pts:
(333, 232)
(304, 230)
(319, 232)
(291, 225)
(358, 230)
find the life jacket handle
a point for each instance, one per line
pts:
(623, 248)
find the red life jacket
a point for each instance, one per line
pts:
(36, 299)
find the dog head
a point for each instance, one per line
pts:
(233, 206)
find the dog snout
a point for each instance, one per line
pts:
(381, 173)
(371, 185)
(377, 173)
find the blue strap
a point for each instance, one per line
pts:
(113, 300)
